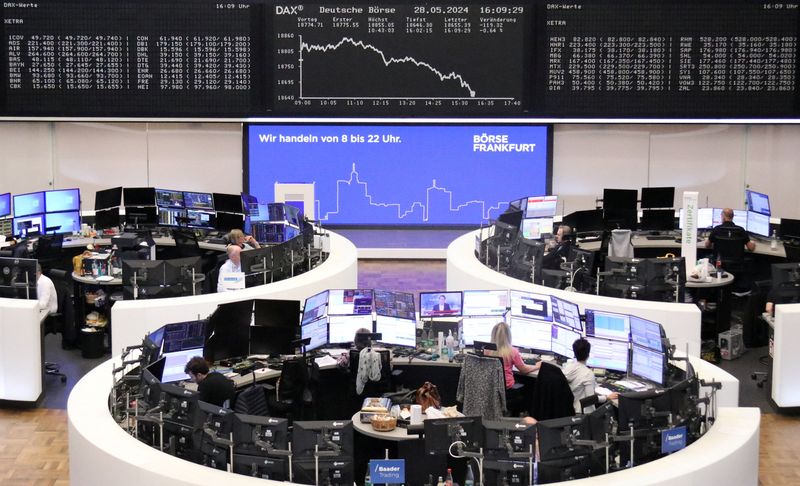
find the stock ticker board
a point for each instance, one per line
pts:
(256, 58)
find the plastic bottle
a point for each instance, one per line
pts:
(719, 268)
(469, 479)
(448, 480)
(367, 480)
(440, 482)
(461, 345)
(450, 342)
(440, 345)
(773, 244)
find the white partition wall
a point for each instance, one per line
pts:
(681, 321)
(20, 351)
(132, 319)
(786, 358)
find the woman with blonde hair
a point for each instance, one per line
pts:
(501, 337)
(245, 242)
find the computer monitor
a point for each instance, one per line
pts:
(331, 436)
(62, 200)
(141, 215)
(566, 313)
(536, 228)
(33, 223)
(526, 260)
(180, 406)
(229, 221)
(541, 206)
(530, 305)
(108, 198)
(620, 198)
(258, 435)
(151, 345)
(27, 204)
(634, 407)
(317, 331)
(175, 364)
(180, 274)
(228, 203)
(739, 217)
(505, 437)
(169, 216)
(228, 331)
(507, 224)
(274, 468)
(658, 197)
(657, 220)
(67, 222)
(608, 354)
(648, 364)
(315, 307)
(168, 198)
(646, 333)
(790, 228)
(396, 331)
(562, 339)
(609, 325)
(149, 385)
(757, 202)
(143, 272)
(139, 196)
(758, 223)
(106, 218)
(588, 221)
(556, 436)
(441, 434)
(705, 218)
(5, 204)
(440, 304)
(17, 277)
(342, 329)
(478, 328)
(198, 200)
(485, 302)
(179, 336)
(342, 302)
(277, 313)
(257, 260)
(395, 304)
(202, 219)
(531, 333)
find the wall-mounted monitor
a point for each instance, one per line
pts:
(27, 204)
(62, 200)
(757, 202)
(440, 304)
(108, 198)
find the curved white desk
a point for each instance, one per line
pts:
(785, 358)
(134, 318)
(101, 453)
(465, 272)
(20, 351)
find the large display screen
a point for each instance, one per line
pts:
(5, 204)
(62, 200)
(25, 204)
(401, 175)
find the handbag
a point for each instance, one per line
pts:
(428, 396)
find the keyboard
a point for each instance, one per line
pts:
(530, 361)
(614, 387)
(660, 237)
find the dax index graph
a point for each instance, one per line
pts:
(400, 59)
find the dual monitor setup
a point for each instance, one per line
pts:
(43, 212)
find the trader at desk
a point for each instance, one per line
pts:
(46, 293)
(232, 265)
(730, 229)
(214, 387)
(245, 242)
(560, 253)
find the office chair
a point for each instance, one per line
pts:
(620, 244)
(792, 251)
(210, 283)
(552, 397)
(252, 401)
(730, 250)
(292, 397)
(372, 388)
(57, 322)
(48, 249)
(481, 387)
(186, 244)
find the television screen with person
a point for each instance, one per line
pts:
(27, 204)
(62, 200)
(757, 202)
(440, 304)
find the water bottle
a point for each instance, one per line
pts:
(469, 479)
(773, 244)
(448, 481)
(719, 268)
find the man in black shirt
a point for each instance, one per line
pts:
(552, 261)
(729, 229)
(214, 388)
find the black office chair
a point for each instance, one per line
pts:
(252, 401)
(552, 397)
(210, 283)
(293, 395)
(48, 249)
(792, 251)
(371, 388)
(186, 244)
(57, 322)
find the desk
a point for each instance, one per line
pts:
(786, 360)
(135, 318)
(681, 321)
(21, 370)
(642, 243)
(370, 444)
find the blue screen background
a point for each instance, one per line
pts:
(62, 200)
(70, 221)
(399, 175)
(26, 204)
(5, 204)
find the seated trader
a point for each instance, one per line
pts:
(580, 377)
(501, 337)
(728, 229)
(560, 253)
(245, 242)
(232, 265)
(214, 388)
(46, 292)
